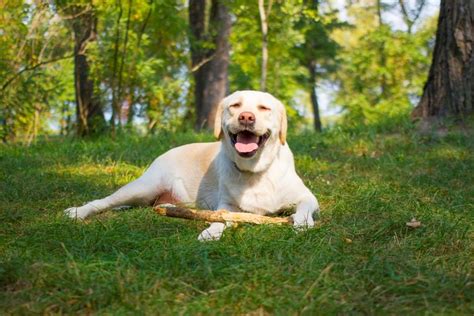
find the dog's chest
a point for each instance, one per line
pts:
(258, 196)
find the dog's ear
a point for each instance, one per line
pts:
(218, 120)
(283, 126)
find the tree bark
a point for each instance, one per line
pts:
(449, 89)
(209, 65)
(314, 97)
(90, 117)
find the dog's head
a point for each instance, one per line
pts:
(252, 126)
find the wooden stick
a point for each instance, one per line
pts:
(220, 216)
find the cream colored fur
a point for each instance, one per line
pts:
(214, 176)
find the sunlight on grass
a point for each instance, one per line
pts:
(450, 152)
(361, 257)
(117, 174)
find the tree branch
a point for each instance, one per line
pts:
(9, 81)
(202, 63)
(220, 216)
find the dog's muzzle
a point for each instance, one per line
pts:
(246, 143)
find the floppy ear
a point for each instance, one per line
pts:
(283, 126)
(218, 120)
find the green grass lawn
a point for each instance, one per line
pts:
(361, 258)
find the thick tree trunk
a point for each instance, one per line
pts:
(449, 90)
(209, 66)
(90, 117)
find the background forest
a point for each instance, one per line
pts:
(95, 67)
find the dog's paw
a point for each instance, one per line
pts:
(213, 232)
(302, 221)
(76, 212)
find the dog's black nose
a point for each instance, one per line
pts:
(247, 118)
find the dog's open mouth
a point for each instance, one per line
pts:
(247, 143)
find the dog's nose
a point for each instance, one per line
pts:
(247, 118)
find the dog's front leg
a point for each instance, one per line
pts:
(139, 192)
(303, 218)
(215, 230)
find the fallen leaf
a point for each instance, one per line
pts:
(413, 223)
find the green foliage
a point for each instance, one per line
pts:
(153, 60)
(140, 62)
(381, 70)
(361, 258)
(318, 49)
(283, 69)
(30, 37)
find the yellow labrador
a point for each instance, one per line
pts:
(250, 169)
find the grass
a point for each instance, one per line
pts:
(360, 259)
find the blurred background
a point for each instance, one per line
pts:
(106, 67)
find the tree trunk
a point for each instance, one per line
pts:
(311, 64)
(122, 62)
(113, 83)
(264, 25)
(382, 55)
(449, 89)
(90, 117)
(314, 97)
(209, 66)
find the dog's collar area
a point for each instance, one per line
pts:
(240, 170)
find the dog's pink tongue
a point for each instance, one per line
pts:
(246, 142)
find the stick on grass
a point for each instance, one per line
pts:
(220, 216)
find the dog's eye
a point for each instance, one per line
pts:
(235, 106)
(264, 108)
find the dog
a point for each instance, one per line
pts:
(250, 169)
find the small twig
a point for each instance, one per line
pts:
(220, 216)
(16, 75)
(202, 63)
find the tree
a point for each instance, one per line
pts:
(81, 18)
(284, 72)
(90, 117)
(210, 57)
(318, 52)
(34, 56)
(411, 16)
(371, 90)
(449, 90)
(264, 14)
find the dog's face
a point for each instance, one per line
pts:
(252, 125)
